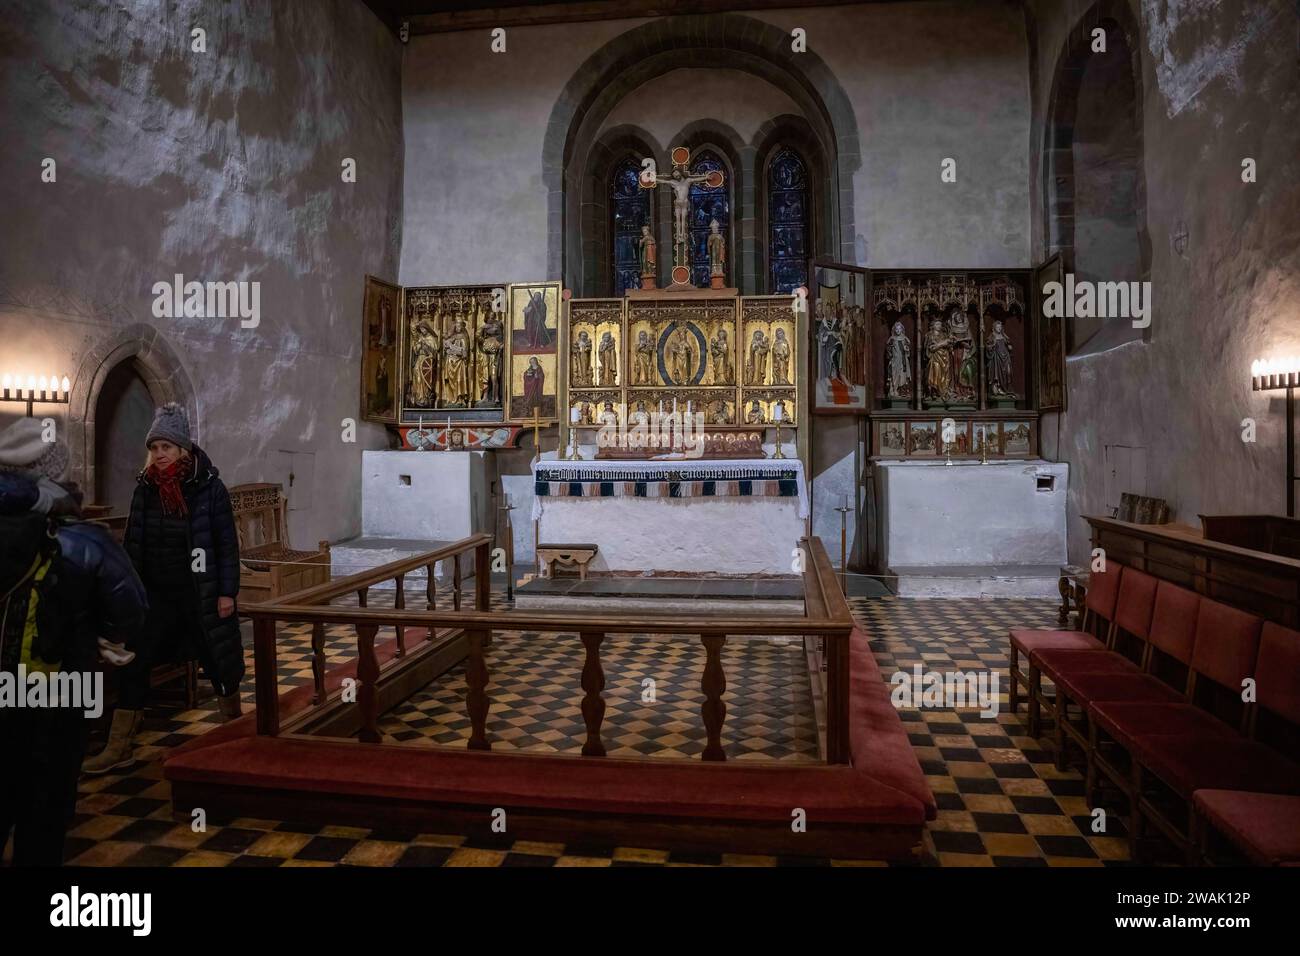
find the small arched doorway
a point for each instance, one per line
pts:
(123, 412)
(119, 383)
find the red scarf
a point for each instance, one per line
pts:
(168, 482)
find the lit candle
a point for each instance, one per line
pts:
(31, 385)
(7, 382)
(44, 383)
(66, 385)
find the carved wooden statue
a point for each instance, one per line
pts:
(898, 364)
(608, 359)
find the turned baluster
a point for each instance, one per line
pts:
(318, 662)
(367, 677)
(265, 672)
(431, 594)
(476, 699)
(455, 582)
(593, 704)
(362, 594)
(714, 685)
(400, 603)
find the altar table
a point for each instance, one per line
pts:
(701, 516)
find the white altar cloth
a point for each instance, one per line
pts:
(660, 470)
(658, 528)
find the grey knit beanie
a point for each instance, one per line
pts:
(24, 450)
(170, 423)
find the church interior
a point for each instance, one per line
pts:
(658, 434)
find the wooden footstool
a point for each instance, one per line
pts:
(566, 555)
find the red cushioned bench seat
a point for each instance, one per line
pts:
(1030, 641)
(1055, 662)
(1264, 826)
(1191, 763)
(1087, 689)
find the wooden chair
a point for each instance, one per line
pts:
(269, 568)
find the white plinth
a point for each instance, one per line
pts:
(413, 502)
(435, 496)
(704, 535)
(983, 523)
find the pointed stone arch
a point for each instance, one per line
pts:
(720, 41)
(1060, 177)
(157, 364)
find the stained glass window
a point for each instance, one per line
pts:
(630, 209)
(787, 206)
(708, 203)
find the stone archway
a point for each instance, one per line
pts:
(159, 367)
(1078, 108)
(724, 41)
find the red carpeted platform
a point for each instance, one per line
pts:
(874, 807)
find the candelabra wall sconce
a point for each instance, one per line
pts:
(1271, 375)
(34, 389)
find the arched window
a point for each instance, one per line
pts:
(787, 221)
(629, 207)
(708, 203)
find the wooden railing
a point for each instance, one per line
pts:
(826, 619)
(1255, 581)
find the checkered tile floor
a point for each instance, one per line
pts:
(1001, 801)
(536, 698)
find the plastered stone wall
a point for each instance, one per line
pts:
(221, 166)
(1220, 84)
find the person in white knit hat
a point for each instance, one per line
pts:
(182, 540)
(67, 589)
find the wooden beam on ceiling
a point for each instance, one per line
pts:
(578, 11)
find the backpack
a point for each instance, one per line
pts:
(31, 629)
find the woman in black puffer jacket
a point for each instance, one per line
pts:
(182, 540)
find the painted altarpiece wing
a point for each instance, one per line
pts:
(840, 340)
(380, 372)
(535, 314)
(1051, 342)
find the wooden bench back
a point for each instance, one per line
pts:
(260, 514)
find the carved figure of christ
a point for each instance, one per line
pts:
(681, 185)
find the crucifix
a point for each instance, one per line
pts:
(680, 182)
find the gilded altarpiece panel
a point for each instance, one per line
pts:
(453, 353)
(952, 367)
(736, 360)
